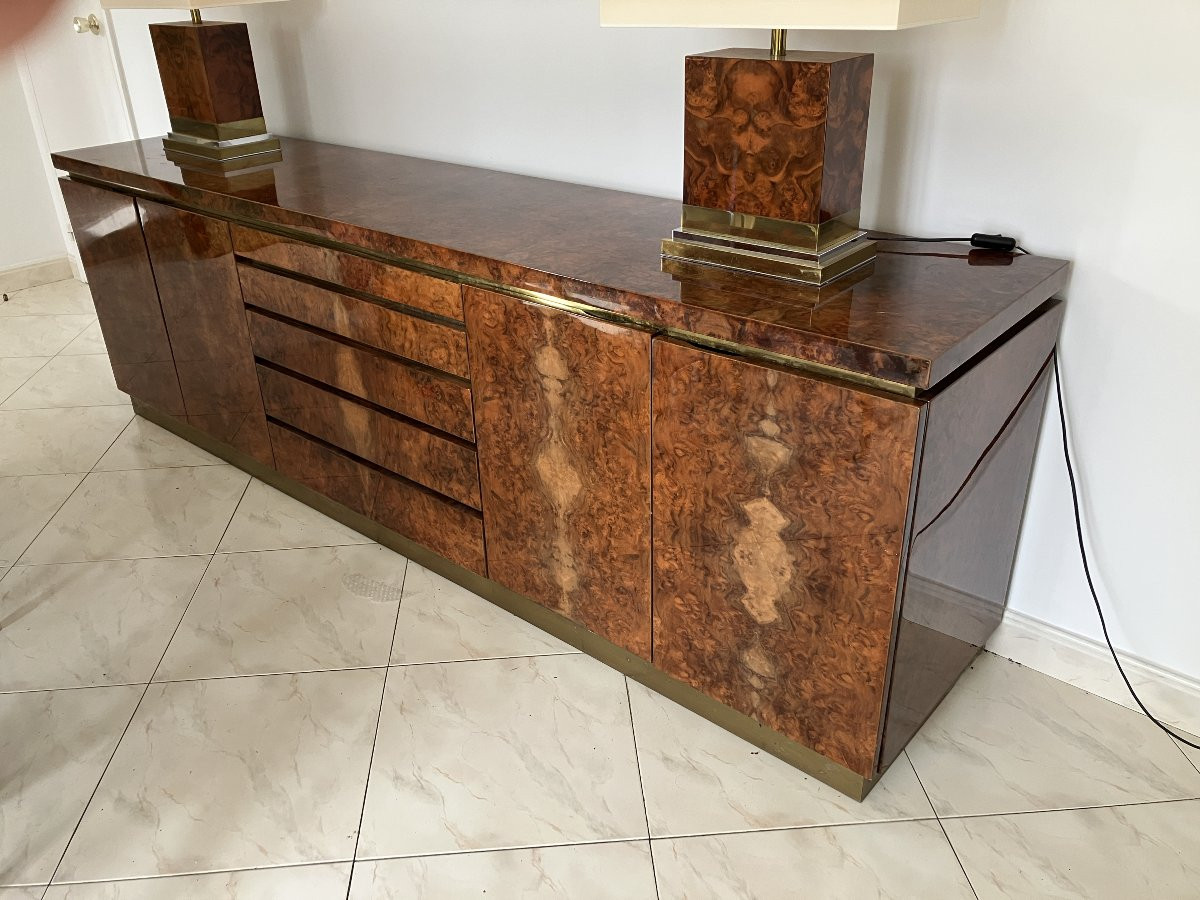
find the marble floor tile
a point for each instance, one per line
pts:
(497, 754)
(236, 773)
(29, 502)
(22, 893)
(700, 779)
(617, 871)
(1112, 853)
(268, 519)
(90, 340)
(282, 611)
(317, 882)
(1009, 739)
(53, 748)
(94, 623)
(149, 512)
(884, 860)
(69, 381)
(50, 441)
(39, 335)
(16, 370)
(443, 622)
(144, 445)
(68, 297)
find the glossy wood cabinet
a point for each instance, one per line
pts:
(113, 251)
(201, 299)
(793, 511)
(562, 413)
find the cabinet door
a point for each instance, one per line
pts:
(113, 252)
(780, 505)
(192, 257)
(562, 417)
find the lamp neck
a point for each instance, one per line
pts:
(778, 43)
(196, 20)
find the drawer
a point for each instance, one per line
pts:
(440, 346)
(358, 273)
(446, 528)
(441, 463)
(419, 393)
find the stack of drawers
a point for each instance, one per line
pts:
(332, 329)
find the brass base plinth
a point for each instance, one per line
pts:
(770, 259)
(804, 758)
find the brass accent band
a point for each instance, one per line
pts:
(795, 754)
(219, 131)
(573, 306)
(220, 151)
(814, 270)
(816, 238)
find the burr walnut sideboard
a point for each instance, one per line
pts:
(793, 510)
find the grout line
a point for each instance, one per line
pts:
(126, 879)
(362, 813)
(507, 849)
(48, 360)
(637, 758)
(1058, 809)
(942, 826)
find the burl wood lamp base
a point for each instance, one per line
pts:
(208, 77)
(774, 149)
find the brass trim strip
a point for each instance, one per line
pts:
(571, 306)
(805, 235)
(795, 754)
(219, 131)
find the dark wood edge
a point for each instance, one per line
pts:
(795, 754)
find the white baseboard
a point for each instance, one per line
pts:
(27, 275)
(1087, 664)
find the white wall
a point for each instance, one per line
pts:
(1073, 124)
(29, 231)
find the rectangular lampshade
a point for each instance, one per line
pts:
(176, 4)
(852, 15)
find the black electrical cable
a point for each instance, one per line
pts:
(1087, 569)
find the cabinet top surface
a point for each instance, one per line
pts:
(913, 318)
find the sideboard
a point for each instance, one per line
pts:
(793, 510)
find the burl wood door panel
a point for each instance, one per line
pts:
(439, 400)
(192, 257)
(562, 419)
(780, 504)
(113, 252)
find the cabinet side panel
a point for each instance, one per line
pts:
(114, 256)
(562, 417)
(979, 447)
(779, 511)
(192, 257)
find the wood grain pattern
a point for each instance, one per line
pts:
(448, 529)
(192, 258)
(780, 504)
(422, 394)
(975, 467)
(430, 343)
(113, 252)
(207, 71)
(925, 310)
(358, 273)
(783, 138)
(562, 413)
(420, 455)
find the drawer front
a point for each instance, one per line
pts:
(433, 344)
(430, 397)
(448, 529)
(440, 463)
(433, 295)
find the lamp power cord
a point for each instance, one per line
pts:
(1087, 569)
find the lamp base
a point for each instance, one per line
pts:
(810, 267)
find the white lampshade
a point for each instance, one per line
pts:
(176, 4)
(834, 15)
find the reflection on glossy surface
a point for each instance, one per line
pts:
(921, 314)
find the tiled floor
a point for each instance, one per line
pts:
(209, 690)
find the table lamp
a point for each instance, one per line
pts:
(774, 142)
(208, 78)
